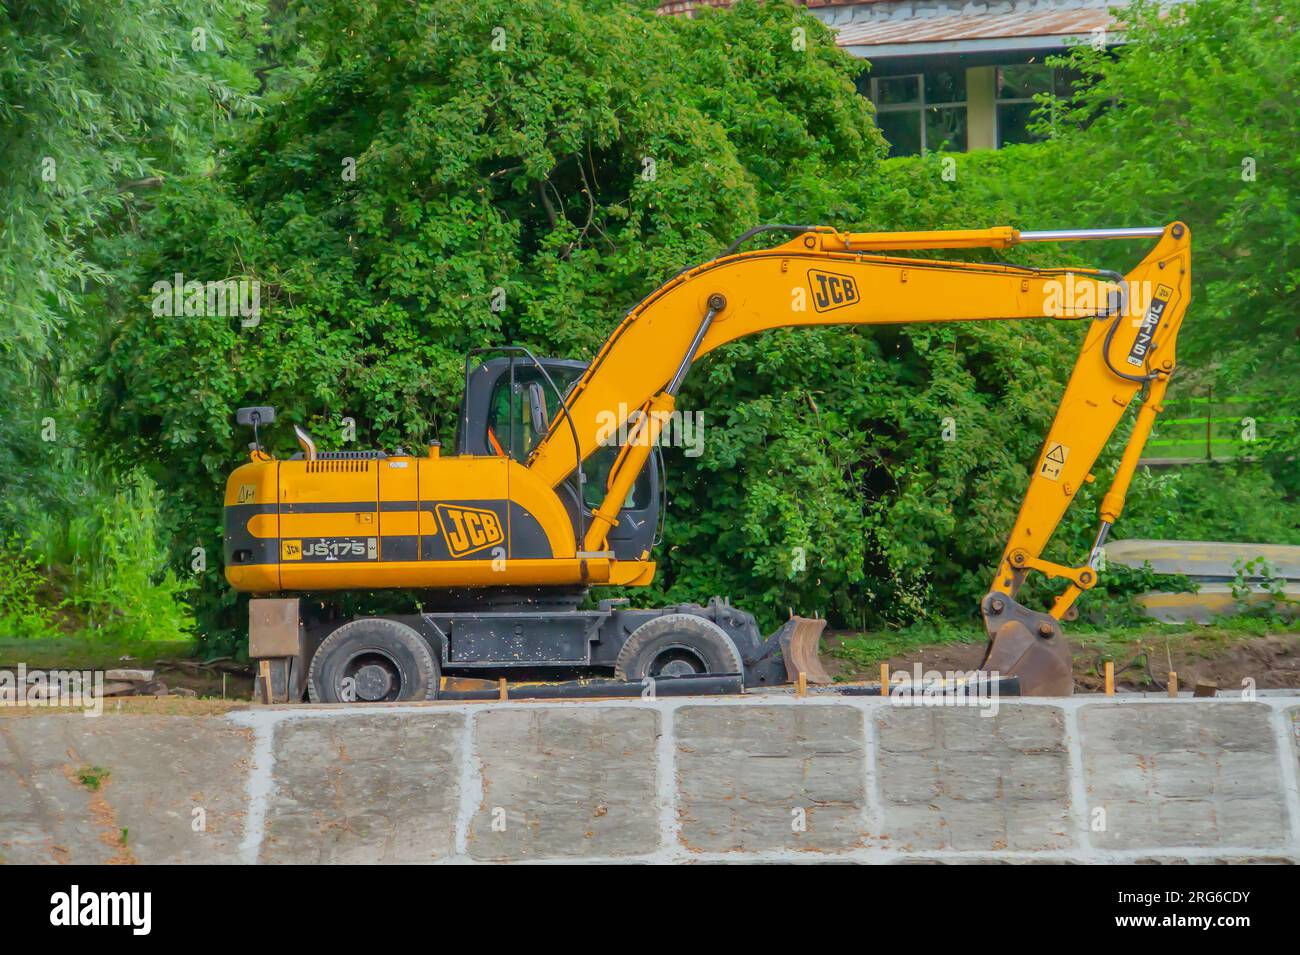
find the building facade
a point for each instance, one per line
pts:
(957, 75)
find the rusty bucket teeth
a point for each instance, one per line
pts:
(800, 642)
(1044, 665)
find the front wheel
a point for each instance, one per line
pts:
(677, 644)
(373, 661)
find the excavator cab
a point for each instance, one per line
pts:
(509, 403)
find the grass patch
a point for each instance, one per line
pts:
(1120, 643)
(874, 647)
(93, 777)
(82, 652)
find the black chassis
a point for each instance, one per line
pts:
(563, 641)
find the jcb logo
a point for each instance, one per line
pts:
(831, 291)
(468, 529)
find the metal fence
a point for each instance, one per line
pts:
(1210, 427)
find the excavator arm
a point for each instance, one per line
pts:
(826, 277)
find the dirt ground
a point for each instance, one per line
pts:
(1141, 663)
(206, 682)
(172, 664)
(1273, 661)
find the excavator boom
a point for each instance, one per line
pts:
(824, 277)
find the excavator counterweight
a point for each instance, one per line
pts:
(556, 484)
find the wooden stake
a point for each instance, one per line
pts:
(801, 688)
(501, 689)
(884, 679)
(1173, 683)
(1110, 677)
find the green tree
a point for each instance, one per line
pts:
(97, 101)
(99, 104)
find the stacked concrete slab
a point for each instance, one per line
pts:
(765, 778)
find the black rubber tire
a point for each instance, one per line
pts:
(676, 632)
(413, 667)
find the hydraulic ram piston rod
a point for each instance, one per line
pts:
(1080, 235)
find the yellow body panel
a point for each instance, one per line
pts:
(252, 496)
(399, 482)
(416, 575)
(382, 523)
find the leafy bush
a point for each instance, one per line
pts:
(22, 611)
(93, 539)
(96, 101)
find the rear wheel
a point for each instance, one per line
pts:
(677, 644)
(372, 661)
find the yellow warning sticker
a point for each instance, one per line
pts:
(291, 550)
(247, 493)
(1054, 461)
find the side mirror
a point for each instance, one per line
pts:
(537, 410)
(262, 414)
(258, 415)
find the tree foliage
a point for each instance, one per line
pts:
(1194, 117)
(99, 104)
(97, 100)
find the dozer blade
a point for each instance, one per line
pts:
(1043, 664)
(800, 639)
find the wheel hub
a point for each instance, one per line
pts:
(373, 682)
(677, 661)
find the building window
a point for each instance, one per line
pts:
(1016, 88)
(922, 112)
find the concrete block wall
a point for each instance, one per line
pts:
(760, 778)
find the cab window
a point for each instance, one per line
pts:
(510, 431)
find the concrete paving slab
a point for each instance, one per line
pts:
(365, 789)
(565, 782)
(775, 777)
(956, 778)
(170, 788)
(1174, 775)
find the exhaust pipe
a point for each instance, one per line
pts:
(308, 445)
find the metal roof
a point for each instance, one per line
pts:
(686, 6)
(943, 31)
(974, 26)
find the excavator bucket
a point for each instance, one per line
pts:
(800, 639)
(1043, 664)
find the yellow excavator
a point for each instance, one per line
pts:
(557, 480)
